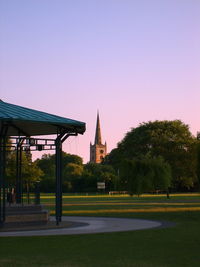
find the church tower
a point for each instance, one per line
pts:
(98, 151)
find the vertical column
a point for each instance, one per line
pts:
(58, 180)
(4, 178)
(59, 140)
(2, 174)
(20, 176)
(18, 195)
(61, 183)
(1, 178)
(19, 173)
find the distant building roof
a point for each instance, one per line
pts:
(30, 122)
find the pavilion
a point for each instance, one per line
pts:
(25, 127)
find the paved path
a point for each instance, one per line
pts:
(89, 225)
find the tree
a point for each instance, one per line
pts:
(94, 173)
(170, 139)
(161, 174)
(47, 165)
(113, 158)
(11, 169)
(145, 174)
(73, 177)
(30, 172)
(198, 163)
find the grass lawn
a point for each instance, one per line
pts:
(176, 246)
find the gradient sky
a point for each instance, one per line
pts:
(133, 60)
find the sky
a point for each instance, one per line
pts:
(134, 61)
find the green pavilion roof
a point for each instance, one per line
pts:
(30, 122)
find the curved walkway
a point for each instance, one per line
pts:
(89, 225)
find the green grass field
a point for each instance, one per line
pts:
(175, 246)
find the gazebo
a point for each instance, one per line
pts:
(25, 127)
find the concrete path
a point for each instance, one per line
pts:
(89, 225)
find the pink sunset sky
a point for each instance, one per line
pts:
(132, 60)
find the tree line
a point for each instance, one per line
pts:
(159, 156)
(162, 151)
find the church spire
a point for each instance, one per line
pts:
(97, 140)
(98, 150)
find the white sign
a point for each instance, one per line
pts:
(101, 185)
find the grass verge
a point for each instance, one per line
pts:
(176, 246)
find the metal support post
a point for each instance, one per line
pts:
(19, 198)
(20, 176)
(58, 180)
(59, 140)
(18, 195)
(2, 175)
(4, 178)
(1, 182)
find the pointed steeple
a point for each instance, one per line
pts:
(98, 151)
(97, 140)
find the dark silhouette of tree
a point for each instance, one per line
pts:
(171, 140)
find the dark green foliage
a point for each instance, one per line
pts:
(145, 175)
(198, 163)
(171, 140)
(72, 177)
(30, 171)
(76, 176)
(47, 165)
(94, 173)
